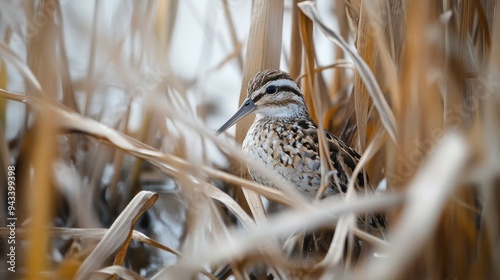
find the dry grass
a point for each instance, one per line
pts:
(116, 173)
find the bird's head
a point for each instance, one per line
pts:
(270, 93)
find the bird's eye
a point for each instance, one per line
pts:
(271, 90)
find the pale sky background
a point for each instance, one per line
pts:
(200, 43)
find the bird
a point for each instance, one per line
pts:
(284, 138)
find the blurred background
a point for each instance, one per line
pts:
(104, 100)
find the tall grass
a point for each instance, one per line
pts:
(117, 173)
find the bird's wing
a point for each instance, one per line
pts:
(344, 159)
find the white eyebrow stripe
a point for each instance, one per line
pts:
(283, 82)
(257, 95)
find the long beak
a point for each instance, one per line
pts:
(246, 109)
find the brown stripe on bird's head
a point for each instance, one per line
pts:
(264, 77)
(280, 88)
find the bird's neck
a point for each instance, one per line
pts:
(298, 112)
(261, 119)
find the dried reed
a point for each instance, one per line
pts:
(97, 118)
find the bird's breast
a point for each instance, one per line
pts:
(281, 148)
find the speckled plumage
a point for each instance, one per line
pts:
(284, 138)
